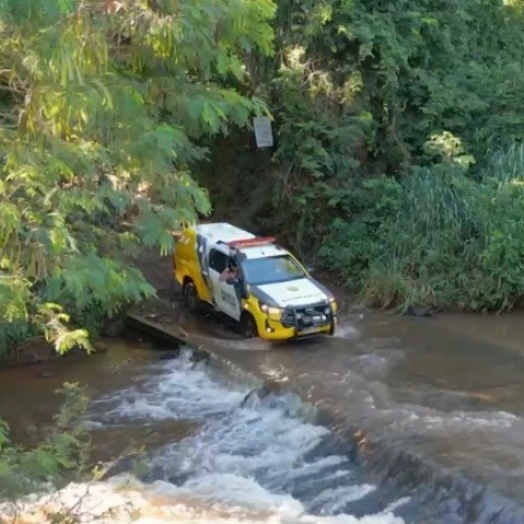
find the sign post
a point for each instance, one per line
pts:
(263, 131)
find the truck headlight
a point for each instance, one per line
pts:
(271, 310)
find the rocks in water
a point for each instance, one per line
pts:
(44, 373)
(250, 395)
(179, 479)
(419, 311)
(122, 465)
(269, 387)
(99, 348)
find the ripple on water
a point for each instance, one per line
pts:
(249, 463)
(222, 338)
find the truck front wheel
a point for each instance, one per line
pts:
(248, 326)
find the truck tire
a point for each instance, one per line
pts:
(190, 296)
(248, 326)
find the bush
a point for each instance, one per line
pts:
(436, 237)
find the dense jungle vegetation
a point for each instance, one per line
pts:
(398, 157)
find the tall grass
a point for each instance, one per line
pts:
(438, 238)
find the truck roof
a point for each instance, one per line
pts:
(270, 250)
(219, 232)
(223, 232)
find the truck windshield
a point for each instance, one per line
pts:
(270, 270)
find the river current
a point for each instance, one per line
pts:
(249, 459)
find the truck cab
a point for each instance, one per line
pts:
(252, 280)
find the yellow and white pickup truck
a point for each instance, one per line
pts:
(252, 280)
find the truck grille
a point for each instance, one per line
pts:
(307, 316)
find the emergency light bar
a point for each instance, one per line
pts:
(251, 242)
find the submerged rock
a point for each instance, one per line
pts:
(122, 465)
(44, 373)
(200, 355)
(419, 311)
(99, 347)
(269, 387)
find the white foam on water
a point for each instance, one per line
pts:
(431, 420)
(123, 500)
(174, 392)
(250, 463)
(336, 498)
(497, 420)
(345, 331)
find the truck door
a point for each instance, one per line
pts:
(224, 294)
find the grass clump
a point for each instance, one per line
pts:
(437, 237)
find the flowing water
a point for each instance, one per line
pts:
(443, 396)
(222, 452)
(250, 458)
(221, 448)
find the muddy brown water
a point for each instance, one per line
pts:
(448, 388)
(29, 395)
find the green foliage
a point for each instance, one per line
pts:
(100, 107)
(398, 129)
(437, 237)
(59, 456)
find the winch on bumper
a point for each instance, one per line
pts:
(308, 320)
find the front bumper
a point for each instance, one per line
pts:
(298, 322)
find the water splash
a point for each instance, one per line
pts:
(257, 457)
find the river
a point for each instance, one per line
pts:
(213, 454)
(450, 447)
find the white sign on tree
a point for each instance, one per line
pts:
(263, 131)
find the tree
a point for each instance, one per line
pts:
(399, 126)
(100, 107)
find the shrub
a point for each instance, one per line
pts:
(436, 237)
